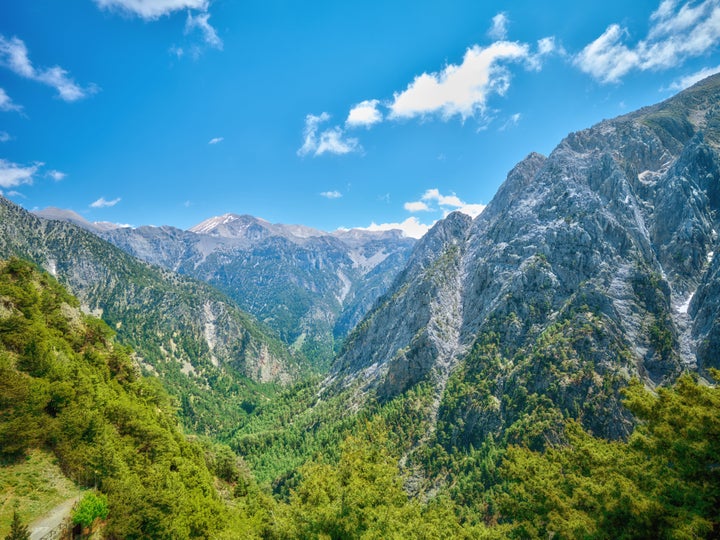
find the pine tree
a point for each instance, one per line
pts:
(18, 531)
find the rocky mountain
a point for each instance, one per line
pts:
(590, 266)
(312, 287)
(200, 343)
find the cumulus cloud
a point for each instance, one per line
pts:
(498, 30)
(13, 175)
(152, 9)
(14, 56)
(445, 203)
(4, 136)
(677, 32)
(460, 89)
(200, 22)
(103, 203)
(689, 80)
(331, 194)
(411, 227)
(331, 140)
(56, 175)
(365, 114)
(6, 103)
(216, 140)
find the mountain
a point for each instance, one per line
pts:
(310, 286)
(206, 350)
(590, 266)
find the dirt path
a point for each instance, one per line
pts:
(52, 519)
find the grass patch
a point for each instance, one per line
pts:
(36, 483)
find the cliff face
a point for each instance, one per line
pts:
(589, 266)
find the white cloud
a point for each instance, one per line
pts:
(331, 140)
(498, 30)
(689, 80)
(331, 194)
(365, 114)
(216, 140)
(14, 56)
(548, 45)
(445, 203)
(675, 35)
(200, 22)
(102, 203)
(411, 227)
(460, 89)
(56, 175)
(416, 206)
(6, 103)
(4, 136)
(12, 174)
(152, 9)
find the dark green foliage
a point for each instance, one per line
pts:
(67, 386)
(663, 483)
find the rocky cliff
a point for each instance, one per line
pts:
(590, 266)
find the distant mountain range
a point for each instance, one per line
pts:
(198, 340)
(310, 286)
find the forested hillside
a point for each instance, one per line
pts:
(67, 387)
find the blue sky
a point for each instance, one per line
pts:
(330, 114)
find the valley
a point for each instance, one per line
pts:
(545, 369)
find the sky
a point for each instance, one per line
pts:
(329, 114)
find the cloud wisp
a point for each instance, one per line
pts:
(688, 80)
(103, 203)
(56, 175)
(200, 22)
(151, 9)
(14, 56)
(335, 194)
(198, 18)
(498, 30)
(216, 140)
(317, 142)
(677, 32)
(7, 104)
(13, 175)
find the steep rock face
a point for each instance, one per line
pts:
(581, 272)
(181, 329)
(310, 286)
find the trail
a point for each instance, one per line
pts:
(52, 519)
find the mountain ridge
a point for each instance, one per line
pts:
(310, 286)
(614, 232)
